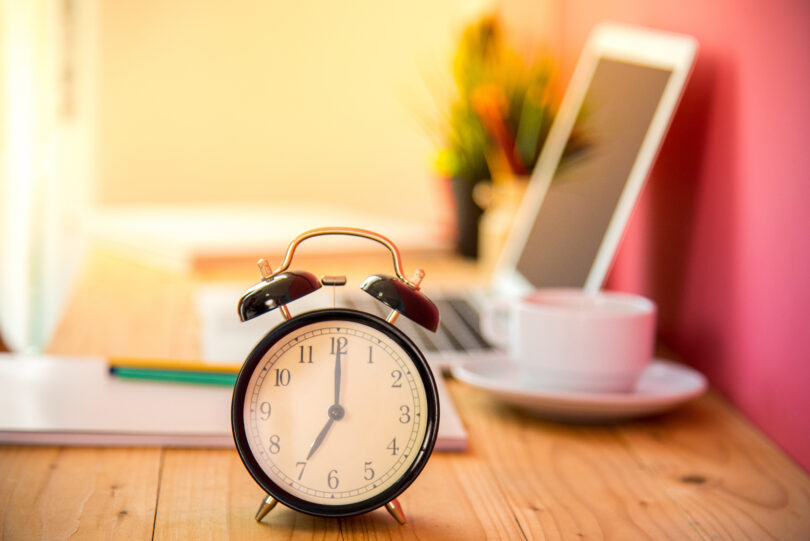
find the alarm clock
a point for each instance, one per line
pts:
(335, 411)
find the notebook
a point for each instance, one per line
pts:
(52, 400)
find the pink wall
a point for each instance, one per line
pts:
(721, 239)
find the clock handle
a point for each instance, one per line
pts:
(281, 286)
(352, 232)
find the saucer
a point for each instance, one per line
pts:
(662, 386)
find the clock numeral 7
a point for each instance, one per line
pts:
(301, 465)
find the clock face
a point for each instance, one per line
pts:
(338, 412)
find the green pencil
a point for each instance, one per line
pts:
(175, 376)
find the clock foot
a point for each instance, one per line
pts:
(267, 505)
(395, 509)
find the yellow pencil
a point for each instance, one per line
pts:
(172, 364)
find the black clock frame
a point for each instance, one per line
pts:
(240, 434)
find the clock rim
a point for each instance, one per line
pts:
(240, 433)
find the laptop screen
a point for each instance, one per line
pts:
(612, 123)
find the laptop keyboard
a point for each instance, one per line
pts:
(458, 330)
(463, 320)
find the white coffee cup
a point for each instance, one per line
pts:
(574, 340)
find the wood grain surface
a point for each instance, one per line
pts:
(700, 472)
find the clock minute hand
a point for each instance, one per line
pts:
(337, 379)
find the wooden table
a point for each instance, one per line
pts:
(702, 472)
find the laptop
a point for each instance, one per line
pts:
(617, 108)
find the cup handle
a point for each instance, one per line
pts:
(495, 322)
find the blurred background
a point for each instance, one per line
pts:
(173, 131)
(179, 130)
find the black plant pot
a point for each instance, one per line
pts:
(468, 213)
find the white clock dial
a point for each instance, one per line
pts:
(335, 412)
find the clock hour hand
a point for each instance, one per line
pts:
(336, 413)
(319, 440)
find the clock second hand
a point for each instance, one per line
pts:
(335, 411)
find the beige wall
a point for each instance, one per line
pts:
(271, 101)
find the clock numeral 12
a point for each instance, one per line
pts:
(302, 361)
(339, 346)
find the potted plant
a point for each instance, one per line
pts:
(493, 127)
